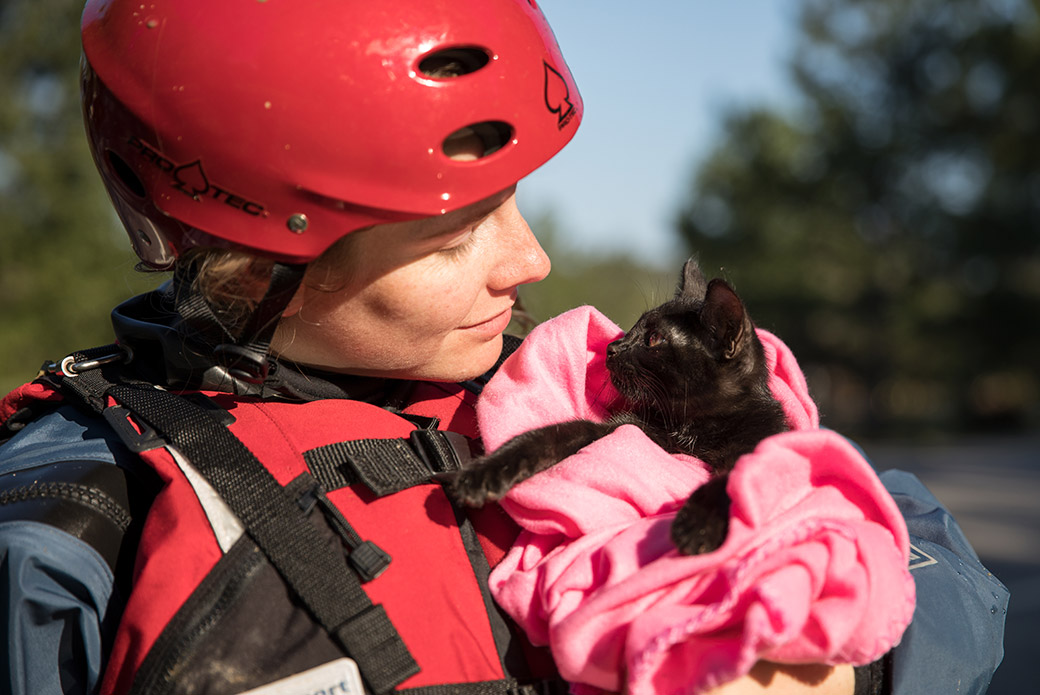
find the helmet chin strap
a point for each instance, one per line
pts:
(242, 353)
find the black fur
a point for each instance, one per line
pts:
(692, 375)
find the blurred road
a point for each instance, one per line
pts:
(992, 486)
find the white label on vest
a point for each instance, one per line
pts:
(340, 677)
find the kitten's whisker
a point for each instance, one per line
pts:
(650, 299)
(686, 401)
(608, 404)
(654, 406)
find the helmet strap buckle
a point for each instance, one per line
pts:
(242, 362)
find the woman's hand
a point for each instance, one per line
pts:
(784, 679)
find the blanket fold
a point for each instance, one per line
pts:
(814, 569)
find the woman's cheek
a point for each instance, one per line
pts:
(446, 307)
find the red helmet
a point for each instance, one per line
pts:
(280, 126)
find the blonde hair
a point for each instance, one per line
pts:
(233, 281)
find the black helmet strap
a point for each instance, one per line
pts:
(243, 352)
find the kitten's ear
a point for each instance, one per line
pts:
(724, 314)
(691, 282)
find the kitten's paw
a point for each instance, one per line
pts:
(467, 487)
(702, 523)
(696, 536)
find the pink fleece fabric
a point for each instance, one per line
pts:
(814, 569)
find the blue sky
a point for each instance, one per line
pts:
(655, 76)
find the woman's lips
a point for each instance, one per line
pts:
(492, 326)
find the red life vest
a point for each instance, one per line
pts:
(209, 613)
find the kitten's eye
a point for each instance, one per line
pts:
(653, 339)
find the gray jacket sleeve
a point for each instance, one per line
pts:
(56, 591)
(956, 639)
(63, 515)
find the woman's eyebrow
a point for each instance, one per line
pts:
(446, 224)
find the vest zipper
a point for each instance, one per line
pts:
(159, 671)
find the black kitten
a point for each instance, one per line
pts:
(692, 374)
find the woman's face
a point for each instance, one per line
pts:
(426, 299)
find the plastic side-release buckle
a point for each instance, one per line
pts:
(242, 363)
(440, 450)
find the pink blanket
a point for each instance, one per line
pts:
(814, 569)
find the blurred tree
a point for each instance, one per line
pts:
(65, 260)
(619, 287)
(890, 229)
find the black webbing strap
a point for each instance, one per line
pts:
(386, 466)
(316, 571)
(246, 357)
(258, 330)
(243, 354)
(84, 387)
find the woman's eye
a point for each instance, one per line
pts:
(653, 339)
(458, 245)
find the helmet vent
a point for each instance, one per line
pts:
(125, 173)
(477, 141)
(453, 62)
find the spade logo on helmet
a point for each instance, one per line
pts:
(558, 96)
(190, 179)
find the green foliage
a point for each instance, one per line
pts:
(65, 258)
(888, 230)
(616, 285)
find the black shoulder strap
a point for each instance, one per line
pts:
(315, 571)
(275, 521)
(386, 466)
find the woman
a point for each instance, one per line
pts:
(333, 186)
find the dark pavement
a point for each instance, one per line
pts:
(992, 486)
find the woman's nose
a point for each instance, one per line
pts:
(521, 259)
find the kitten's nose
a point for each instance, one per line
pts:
(612, 348)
